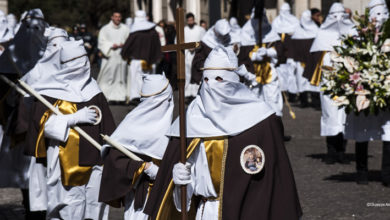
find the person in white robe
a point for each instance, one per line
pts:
(113, 72)
(192, 33)
(64, 63)
(336, 24)
(285, 24)
(143, 131)
(364, 128)
(306, 31)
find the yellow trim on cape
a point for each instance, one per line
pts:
(71, 173)
(138, 173)
(316, 78)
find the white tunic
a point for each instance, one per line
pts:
(302, 82)
(194, 34)
(78, 202)
(201, 185)
(113, 71)
(333, 118)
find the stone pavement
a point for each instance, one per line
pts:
(326, 191)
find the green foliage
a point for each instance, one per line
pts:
(65, 13)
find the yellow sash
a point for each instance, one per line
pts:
(316, 78)
(71, 173)
(216, 151)
(263, 70)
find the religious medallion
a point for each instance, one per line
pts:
(98, 112)
(252, 159)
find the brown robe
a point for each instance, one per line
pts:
(243, 58)
(117, 180)
(270, 195)
(311, 64)
(299, 50)
(282, 48)
(201, 53)
(143, 45)
(88, 154)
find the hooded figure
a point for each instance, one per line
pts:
(219, 34)
(285, 22)
(113, 71)
(235, 31)
(73, 165)
(261, 61)
(378, 11)
(143, 50)
(299, 55)
(336, 24)
(363, 129)
(143, 132)
(224, 118)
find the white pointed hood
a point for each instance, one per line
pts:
(141, 22)
(224, 107)
(307, 29)
(144, 129)
(335, 26)
(285, 22)
(378, 11)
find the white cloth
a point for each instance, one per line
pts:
(132, 214)
(134, 79)
(249, 32)
(201, 185)
(336, 24)
(12, 23)
(141, 23)
(60, 76)
(113, 71)
(78, 202)
(302, 82)
(194, 34)
(37, 186)
(219, 34)
(307, 29)
(285, 22)
(272, 94)
(235, 31)
(216, 108)
(161, 35)
(5, 33)
(143, 129)
(378, 11)
(332, 118)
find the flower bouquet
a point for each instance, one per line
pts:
(359, 79)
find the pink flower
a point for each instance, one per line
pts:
(362, 102)
(360, 87)
(354, 78)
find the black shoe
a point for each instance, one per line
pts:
(341, 158)
(362, 178)
(386, 184)
(287, 138)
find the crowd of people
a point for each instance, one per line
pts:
(237, 82)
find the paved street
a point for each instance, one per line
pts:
(326, 191)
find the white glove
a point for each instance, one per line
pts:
(152, 171)
(271, 53)
(182, 173)
(82, 116)
(243, 72)
(259, 55)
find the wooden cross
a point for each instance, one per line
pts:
(179, 48)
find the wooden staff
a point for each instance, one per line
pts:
(180, 48)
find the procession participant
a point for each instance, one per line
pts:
(261, 61)
(285, 24)
(142, 132)
(333, 118)
(73, 165)
(192, 33)
(142, 50)
(299, 54)
(219, 34)
(364, 128)
(235, 32)
(113, 71)
(217, 172)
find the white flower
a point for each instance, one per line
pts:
(350, 64)
(362, 102)
(386, 46)
(335, 57)
(341, 100)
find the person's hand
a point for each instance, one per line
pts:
(82, 116)
(115, 46)
(181, 173)
(151, 170)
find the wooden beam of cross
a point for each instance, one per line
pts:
(180, 47)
